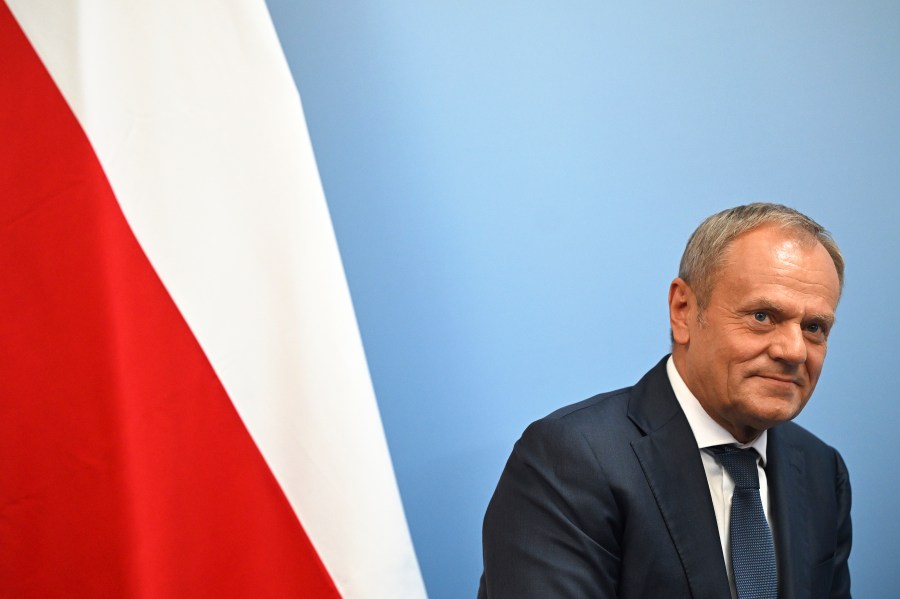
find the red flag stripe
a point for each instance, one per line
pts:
(126, 470)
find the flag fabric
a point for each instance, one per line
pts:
(185, 407)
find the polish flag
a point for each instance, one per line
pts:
(185, 408)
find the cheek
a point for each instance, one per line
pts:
(740, 347)
(814, 362)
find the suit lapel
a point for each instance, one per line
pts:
(788, 497)
(671, 463)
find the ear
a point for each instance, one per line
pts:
(682, 310)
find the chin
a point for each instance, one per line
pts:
(777, 411)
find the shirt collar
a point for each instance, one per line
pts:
(707, 431)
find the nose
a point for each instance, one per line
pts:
(788, 344)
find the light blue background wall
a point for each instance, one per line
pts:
(512, 184)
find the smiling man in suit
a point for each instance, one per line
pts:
(694, 482)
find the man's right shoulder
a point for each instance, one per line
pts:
(607, 420)
(600, 404)
(599, 415)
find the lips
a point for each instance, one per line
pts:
(780, 378)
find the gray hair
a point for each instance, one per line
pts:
(708, 246)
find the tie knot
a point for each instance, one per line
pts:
(740, 464)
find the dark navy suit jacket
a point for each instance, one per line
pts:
(608, 498)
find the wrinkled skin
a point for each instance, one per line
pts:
(753, 355)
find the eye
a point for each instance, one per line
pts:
(760, 316)
(817, 328)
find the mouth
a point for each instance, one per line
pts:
(781, 379)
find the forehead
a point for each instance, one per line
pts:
(781, 261)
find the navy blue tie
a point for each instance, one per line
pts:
(752, 550)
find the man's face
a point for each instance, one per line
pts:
(754, 356)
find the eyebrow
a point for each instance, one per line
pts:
(828, 318)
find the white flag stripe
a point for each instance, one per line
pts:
(194, 116)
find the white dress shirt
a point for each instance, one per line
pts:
(708, 433)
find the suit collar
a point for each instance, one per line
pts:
(790, 512)
(671, 463)
(653, 404)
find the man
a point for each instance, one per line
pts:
(634, 493)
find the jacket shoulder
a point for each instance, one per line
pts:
(792, 434)
(598, 404)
